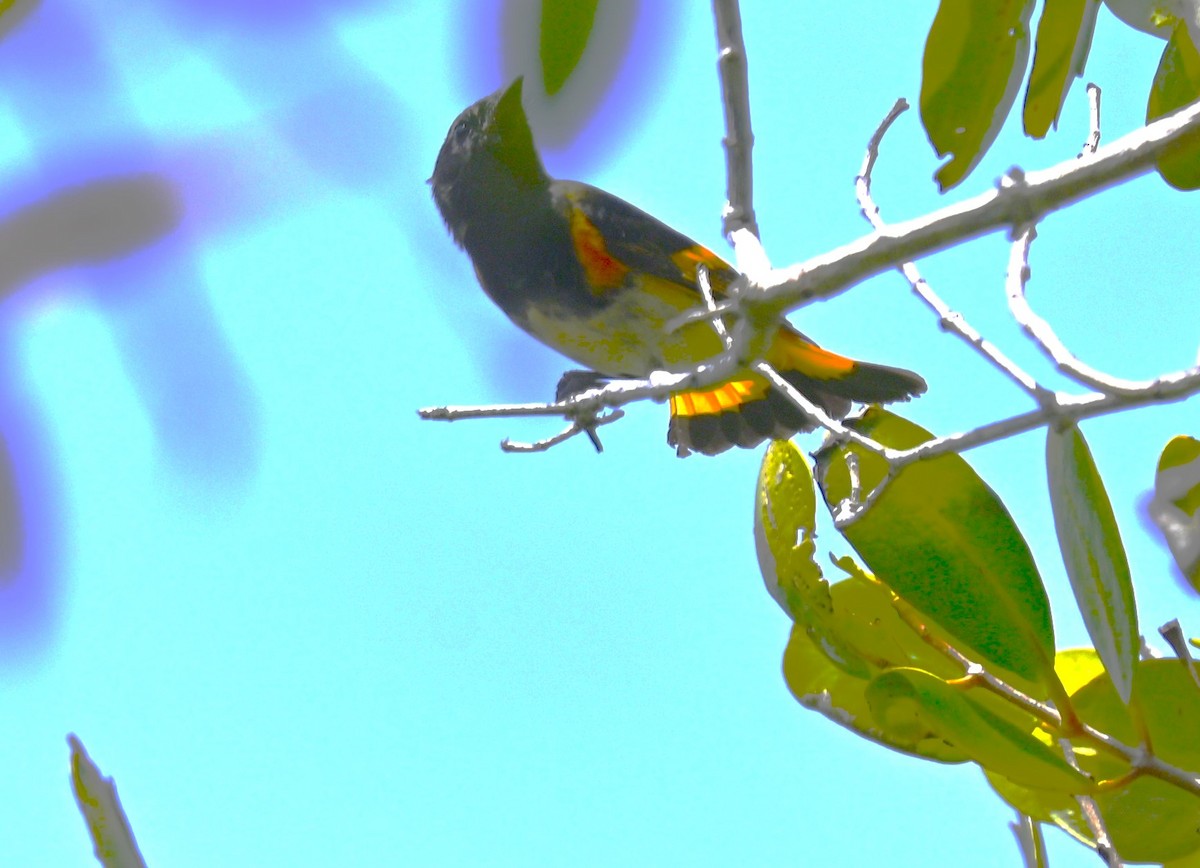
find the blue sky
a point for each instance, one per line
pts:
(302, 627)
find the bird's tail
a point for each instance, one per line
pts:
(747, 410)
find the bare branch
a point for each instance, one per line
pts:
(949, 320)
(1091, 813)
(1043, 335)
(739, 137)
(1023, 198)
(1141, 761)
(1093, 140)
(1173, 634)
(577, 427)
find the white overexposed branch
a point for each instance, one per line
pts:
(1091, 812)
(739, 136)
(949, 320)
(1018, 199)
(1093, 139)
(1044, 336)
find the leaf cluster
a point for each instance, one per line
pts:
(939, 642)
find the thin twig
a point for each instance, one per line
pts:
(1030, 840)
(574, 429)
(1043, 335)
(1008, 205)
(1064, 723)
(710, 304)
(1173, 634)
(1091, 813)
(949, 320)
(1093, 139)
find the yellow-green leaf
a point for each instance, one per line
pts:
(912, 703)
(942, 540)
(1148, 819)
(785, 512)
(1093, 553)
(1176, 84)
(975, 58)
(1064, 35)
(821, 686)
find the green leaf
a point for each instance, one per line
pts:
(975, 58)
(1093, 554)
(1148, 819)
(942, 540)
(565, 28)
(865, 614)
(1064, 35)
(915, 704)
(1175, 507)
(785, 514)
(1176, 84)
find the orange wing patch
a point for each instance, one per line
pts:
(790, 352)
(726, 397)
(603, 271)
(691, 258)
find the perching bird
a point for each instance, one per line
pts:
(598, 280)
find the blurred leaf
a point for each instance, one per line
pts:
(975, 58)
(785, 512)
(942, 540)
(1093, 554)
(1176, 84)
(1175, 507)
(1155, 17)
(565, 28)
(911, 703)
(1064, 35)
(1149, 820)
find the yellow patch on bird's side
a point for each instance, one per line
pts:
(790, 352)
(726, 397)
(603, 271)
(628, 336)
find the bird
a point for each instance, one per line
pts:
(599, 280)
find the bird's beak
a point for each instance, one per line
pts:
(512, 93)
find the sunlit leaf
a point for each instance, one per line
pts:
(1149, 820)
(1176, 84)
(565, 28)
(821, 686)
(785, 510)
(1093, 553)
(911, 703)
(942, 540)
(1064, 35)
(1077, 667)
(1175, 507)
(975, 58)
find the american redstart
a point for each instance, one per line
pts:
(598, 280)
